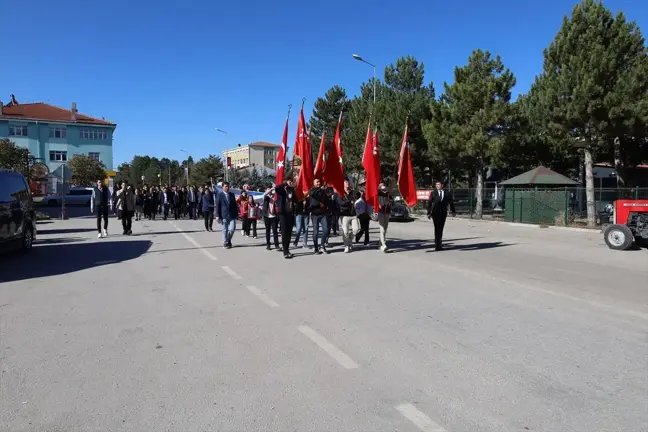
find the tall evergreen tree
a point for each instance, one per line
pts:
(472, 117)
(593, 89)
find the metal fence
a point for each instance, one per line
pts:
(546, 206)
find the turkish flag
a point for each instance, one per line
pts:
(281, 157)
(303, 152)
(334, 174)
(320, 166)
(406, 183)
(371, 164)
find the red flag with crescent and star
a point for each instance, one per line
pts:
(334, 174)
(303, 152)
(406, 183)
(371, 164)
(320, 165)
(281, 157)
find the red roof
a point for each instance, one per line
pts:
(43, 111)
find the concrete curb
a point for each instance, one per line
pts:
(515, 224)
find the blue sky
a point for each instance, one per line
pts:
(168, 73)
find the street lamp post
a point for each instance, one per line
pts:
(359, 58)
(226, 168)
(187, 167)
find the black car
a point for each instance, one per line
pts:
(17, 214)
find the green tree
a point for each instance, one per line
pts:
(206, 169)
(325, 116)
(85, 170)
(471, 120)
(266, 179)
(235, 178)
(593, 89)
(403, 94)
(14, 157)
(254, 179)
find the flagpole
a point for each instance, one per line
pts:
(292, 163)
(286, 143)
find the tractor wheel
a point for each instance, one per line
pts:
(618, 237)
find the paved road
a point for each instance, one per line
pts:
(509, 329)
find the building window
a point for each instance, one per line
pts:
(15, 130)
(93, 134)
(57, 132)
(58, 156)
(94, 155)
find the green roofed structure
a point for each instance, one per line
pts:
(540, 176)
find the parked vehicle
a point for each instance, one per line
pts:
(399, 211)
(76, 196)
(630, 225)
(17, 214)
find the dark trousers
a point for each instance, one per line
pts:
(102, 214)
(165, 211)
(209, 220)
(439, 223)
(287, 223)
(364, 228)
(271, 224)
(190, 210)
(251, 226)
(176, 212)
(127, 220)
(244, 225)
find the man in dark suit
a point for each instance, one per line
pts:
(226, 212)
(437, 210)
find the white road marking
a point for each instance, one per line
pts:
(231, 272)
(262, 296)
(344, 360)
(421, 420)
(195, 243)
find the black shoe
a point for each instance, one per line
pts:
(229, 245)
(268, 247)
(325, 251)
(318, 252)
(279, 249)
(288, 256)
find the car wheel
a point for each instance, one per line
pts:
(618, 237)
(28, 238)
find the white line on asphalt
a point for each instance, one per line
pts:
(343, 359)
(421, 420)
(195, 243)
(262, 296)
(231, 272)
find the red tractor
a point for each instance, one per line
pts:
(630, 225)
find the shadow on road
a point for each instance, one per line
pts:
(474, 246)
(64, 258)
(401, 245)
(65, 230)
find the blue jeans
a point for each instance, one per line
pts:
(319, 220)
(228, 228)
(302, 226)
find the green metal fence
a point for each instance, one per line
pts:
(546, 206)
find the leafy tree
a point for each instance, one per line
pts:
(266, 178)
(471, 120)
(325, 116)
(14, 157)
(254, 179)
(402, 95)
(593, 89)
(235, 178)
(85, 170)
(207, 169)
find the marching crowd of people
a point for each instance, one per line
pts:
(283, 214)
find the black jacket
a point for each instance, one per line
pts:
(345, 204)
(439, 207)
(317, 202)
(226, 209)
(286, 199)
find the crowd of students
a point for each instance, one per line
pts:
(321, 210)
(280, 209)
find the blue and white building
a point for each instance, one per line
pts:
(54, 135)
